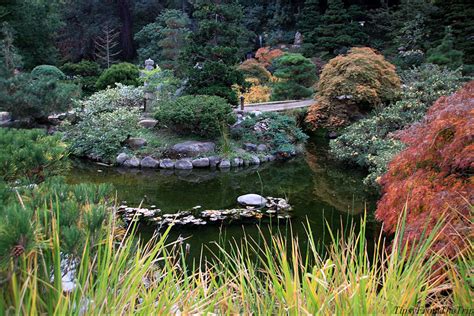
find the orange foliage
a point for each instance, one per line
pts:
(257, 92)
(253, 69)
(351, 85)
(266, 55)
(434, 175)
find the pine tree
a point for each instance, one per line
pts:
(337, 31)
(296, 75)
(164, 39)
(8, 51)
(214, 49)
(445, 54)
(106, 46)
(308, 23)
(457, 14)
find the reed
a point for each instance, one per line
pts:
(120, 274)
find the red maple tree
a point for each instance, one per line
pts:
(433, 176)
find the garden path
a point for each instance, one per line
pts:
(277, 106)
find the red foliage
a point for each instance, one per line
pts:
(266, 55)
(434, 174)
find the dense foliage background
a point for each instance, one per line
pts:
(52, 32)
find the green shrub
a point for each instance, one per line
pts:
(28, 97)
(290, 91)
(107, 118)
(100, 135)
(297, 74)
(199, 115)
(444, 54)
(78, 213)
(214, 78)
(30, 155)
(47, 71)
(368, 142)
(280, 132)
(113, 98)
(162, 83)
(84, 73)
(124, 73)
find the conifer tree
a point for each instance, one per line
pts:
(8, 52)
(214, 49)
(457, 14)
(337, 31)
(445, 54)
(164, 39)
(308, 23)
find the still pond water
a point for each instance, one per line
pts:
(321, 192)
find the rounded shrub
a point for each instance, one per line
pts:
(84, 68)
(124, 73)
(85, 73)
(47, 71)
(266, 55)
(200, 115)
(251, 68)
(296, 75)
(352, 85)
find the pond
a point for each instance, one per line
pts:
(321, 192)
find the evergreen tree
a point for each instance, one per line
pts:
(84, 21)
(457, 14)
(8, 52)
(445, 54)
(214, 49)
(296, 75)
(308, 23)
(337, 31)
(35, 24)
(164, 39)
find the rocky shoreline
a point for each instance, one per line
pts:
(195, 154)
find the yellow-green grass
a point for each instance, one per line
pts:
(273, 275)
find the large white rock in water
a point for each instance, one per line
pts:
(252, 200)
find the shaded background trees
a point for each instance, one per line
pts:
(52, 32)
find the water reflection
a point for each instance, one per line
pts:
(320, 192)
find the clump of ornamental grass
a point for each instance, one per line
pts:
(268, 274)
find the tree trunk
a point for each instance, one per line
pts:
(126, 36)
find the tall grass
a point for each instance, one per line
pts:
(255, 276)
